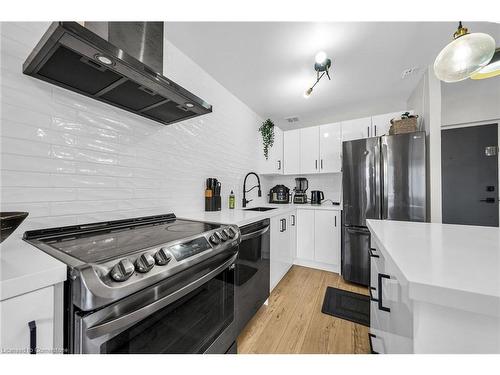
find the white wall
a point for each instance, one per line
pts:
(470, 101)
(67, 159)
(426, 101)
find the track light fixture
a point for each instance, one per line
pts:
(321, 65)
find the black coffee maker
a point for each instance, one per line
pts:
(212, 195)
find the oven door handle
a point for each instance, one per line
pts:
(257, 233)
(135, 316)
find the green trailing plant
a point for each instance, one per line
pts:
(267, 132)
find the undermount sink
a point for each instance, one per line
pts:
(259, 209)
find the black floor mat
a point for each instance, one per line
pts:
(347, 305)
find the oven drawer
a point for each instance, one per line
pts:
(187, 313)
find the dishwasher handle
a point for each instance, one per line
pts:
(255, 234)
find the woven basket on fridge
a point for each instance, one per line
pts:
(405, 125)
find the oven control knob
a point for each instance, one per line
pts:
(229, 232)
(214, 239)
(144, 263)
(162, 257)
(122, 270)
(223, 236)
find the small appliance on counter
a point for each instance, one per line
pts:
(300, 195)
(279, 194)
(317, 196)
(212, 195)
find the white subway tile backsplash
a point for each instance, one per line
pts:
(68, 159)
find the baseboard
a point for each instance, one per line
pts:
(318, 265)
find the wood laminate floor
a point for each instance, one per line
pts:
(293, 323)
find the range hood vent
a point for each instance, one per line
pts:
(118, 63)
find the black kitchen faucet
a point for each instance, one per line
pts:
(259, 193)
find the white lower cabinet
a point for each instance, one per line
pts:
(17, 335)
(318, 239)
(281, 248)
(399, 324)
(391, 310)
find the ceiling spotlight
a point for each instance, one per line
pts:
(189, 105)
(490, 70)
(320, 57)
(322, 65)
(104, 59)
(464, 56)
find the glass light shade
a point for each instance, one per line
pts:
(490, 70)
(464, 56)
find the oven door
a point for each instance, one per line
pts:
(192, 312)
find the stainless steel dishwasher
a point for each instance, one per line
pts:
(252, 271)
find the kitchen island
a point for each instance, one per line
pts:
(435, 288)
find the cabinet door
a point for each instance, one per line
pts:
(327, 237)
(274, 163)
(356, 129)
(330, 148)
(305, 234)
(309, 150)
(18, 311)
(292, 228)
(280, 249)
(291, 152)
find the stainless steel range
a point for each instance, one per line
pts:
(153, 284)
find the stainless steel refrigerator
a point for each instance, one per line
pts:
(383, 178)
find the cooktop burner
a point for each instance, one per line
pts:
(109, 242)
(108, 261)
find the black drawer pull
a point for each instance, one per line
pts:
(371, 295)
(32, 327)
(370, 336)
(372, 253)
(380, 302)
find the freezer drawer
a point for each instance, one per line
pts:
(355, 256)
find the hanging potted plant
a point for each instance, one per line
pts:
(267, 132)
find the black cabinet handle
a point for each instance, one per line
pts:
(32, 327)
(380, 302)
(372, 254)
(371, 295)
(488, 200)
(293, 220)
(370, 336)
(316, 164)
(284, 222)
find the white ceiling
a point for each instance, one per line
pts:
(269, 65)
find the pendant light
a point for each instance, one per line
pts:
(490, 70)
(465, 55)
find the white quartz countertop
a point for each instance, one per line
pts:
(240, 217)
(24, 268)
(451, 265)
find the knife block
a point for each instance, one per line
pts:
(213, 203)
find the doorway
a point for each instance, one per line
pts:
(469, 161)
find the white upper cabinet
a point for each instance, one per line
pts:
(291, 152)
(309, 150)
(274, 163)
(330, 148)
(357, 129)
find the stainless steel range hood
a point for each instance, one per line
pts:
(119, 63)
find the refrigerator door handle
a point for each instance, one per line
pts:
(383, 182)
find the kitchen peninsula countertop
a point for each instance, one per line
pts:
(450, 265)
